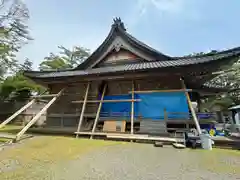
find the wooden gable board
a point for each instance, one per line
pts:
(121, 57)
(122, 49)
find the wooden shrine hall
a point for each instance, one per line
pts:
(127, 87)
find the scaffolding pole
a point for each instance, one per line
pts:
(99, 110)
(191, 108)
(17, 113)
(83, 109)
(132, 109)
(37, 116)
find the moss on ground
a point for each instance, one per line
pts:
(13, 129)
(3, 140)
(219, 160)
(44, 151)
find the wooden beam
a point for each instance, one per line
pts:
(44, 96)
(164, 90)
(38, 115)
(42, 100)
(191, 108)
(109, 101)
(92, 133)
(144, 137)
(17, 113)
(132, 108)
(99, 110)
(83, 109)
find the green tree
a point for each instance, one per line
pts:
(17, 87)
(229, 79)
(13, 33)
(66, 59)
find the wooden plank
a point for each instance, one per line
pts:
(99, 110)
(191, 108)
(178, 146)
(38, 115)
(109, 100)
(17, 113)
(83, 109)
(109, 126)
(44, 96)
(123, 128)
(164, 90)
(132, 109)
(140, 137)
(7, 136)
(92, 133)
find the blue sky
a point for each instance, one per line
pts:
(174, 27)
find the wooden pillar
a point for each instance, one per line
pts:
(132, 109)
(191, 108)
(165, 115)
(62, 124)
(98, 111)
(83, 110)
(37, 116)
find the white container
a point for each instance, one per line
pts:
(206, 141)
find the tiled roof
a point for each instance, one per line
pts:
(118, 29)
(184, 61)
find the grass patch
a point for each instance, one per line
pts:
(3, 140)
(219, 160)
(43, 151)
(13, 129)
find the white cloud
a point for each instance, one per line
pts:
(176, 9)
(167, 6)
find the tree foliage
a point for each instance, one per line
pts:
(66, 59)
(13, 33)
(17, 86)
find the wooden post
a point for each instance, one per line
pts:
(191, 108)
(99, 110)
(83, 110)
(37, 116)
(132, 109)
(17, 113)
(165, 115)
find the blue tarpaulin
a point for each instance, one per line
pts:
(151, 106)
(116, 108)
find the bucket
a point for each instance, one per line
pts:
(206, 141)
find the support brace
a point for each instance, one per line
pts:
(17, 113)
(83, 110)
(99, 110)
(191, 108)
(132, 109)
(37, 116)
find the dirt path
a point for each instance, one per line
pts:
(145, 162)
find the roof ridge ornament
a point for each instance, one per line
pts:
(117, 22)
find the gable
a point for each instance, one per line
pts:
(119, 49)
(119, 57)
(118, 39)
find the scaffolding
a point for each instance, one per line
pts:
(96, 117)
(35, 118)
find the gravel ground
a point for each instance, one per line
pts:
(140, 162)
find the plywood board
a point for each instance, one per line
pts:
(123, 128)
(114, 126)
(109, 126)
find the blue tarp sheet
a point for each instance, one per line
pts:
(151, 106)
(118, 108)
